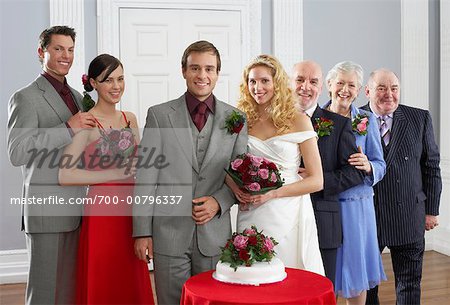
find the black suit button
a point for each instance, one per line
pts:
(399, 203)
(201, 150)
(398, 180)
(200, 178)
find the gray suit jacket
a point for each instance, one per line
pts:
(37, 135)
(172, 227)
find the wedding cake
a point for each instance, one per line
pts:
(248, 259)
(257, 273)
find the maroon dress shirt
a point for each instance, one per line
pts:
(199, 111)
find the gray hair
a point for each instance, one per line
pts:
(346, 67)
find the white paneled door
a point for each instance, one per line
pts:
(152, 42)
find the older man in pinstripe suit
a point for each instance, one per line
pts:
(407, 199)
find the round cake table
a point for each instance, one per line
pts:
(300, 287)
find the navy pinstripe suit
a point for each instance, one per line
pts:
(410, 190)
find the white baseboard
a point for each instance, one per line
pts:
(441, 242)
(13, 266)
(14, 263)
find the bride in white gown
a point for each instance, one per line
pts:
(279, 133)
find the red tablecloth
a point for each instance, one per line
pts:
(300, 287)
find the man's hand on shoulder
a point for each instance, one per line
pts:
(80, 121)
(204, 209)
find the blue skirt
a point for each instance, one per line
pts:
(359, 266)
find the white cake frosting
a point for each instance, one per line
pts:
(258, 273)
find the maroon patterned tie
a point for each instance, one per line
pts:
(68, 100)
(200, 116)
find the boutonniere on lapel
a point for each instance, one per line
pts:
(87, 100)
(234, 122)
(360, 124)
(323, 126)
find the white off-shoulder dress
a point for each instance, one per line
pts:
(290, 220)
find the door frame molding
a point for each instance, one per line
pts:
(71, 13)
(108, 20)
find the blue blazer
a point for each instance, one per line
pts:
(371, 147)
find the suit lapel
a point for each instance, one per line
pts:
(53, 99)
(399, 128)
(76, 99)
(217, 133)
(317, 114)
(179, 121)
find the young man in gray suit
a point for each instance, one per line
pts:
(185, 239)
(407, 199)
(42, 118)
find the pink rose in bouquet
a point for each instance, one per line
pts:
(240, 242)
(236, 163)
(263, 173)
(254, 187)
(360, 124)
(268, 244)
(249, 232)
(254, 174)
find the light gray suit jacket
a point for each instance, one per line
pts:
(36, 122)
(172, 233)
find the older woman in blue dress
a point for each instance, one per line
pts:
(359, 266)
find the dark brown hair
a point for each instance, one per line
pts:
(201, 46)
(98, 65)
(46, 36)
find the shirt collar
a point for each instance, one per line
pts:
(54, 82)
(310, 111)
(192, 102)
(378, 116)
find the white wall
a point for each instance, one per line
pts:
(441, 241)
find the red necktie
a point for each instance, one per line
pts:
(200, 116)
(68, 100)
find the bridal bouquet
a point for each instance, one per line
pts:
(248, 247)
(117, 143)
(257, 175)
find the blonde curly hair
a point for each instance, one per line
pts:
(281, 110)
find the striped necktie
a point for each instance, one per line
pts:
(385, 132)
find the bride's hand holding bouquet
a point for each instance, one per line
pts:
(253, 179)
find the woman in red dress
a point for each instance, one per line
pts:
(108, 272)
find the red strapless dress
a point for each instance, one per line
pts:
(108, 272)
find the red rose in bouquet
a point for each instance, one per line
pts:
(248, 247)
(256, 175)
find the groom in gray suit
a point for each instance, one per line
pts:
(185, 239)
(42, 118)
